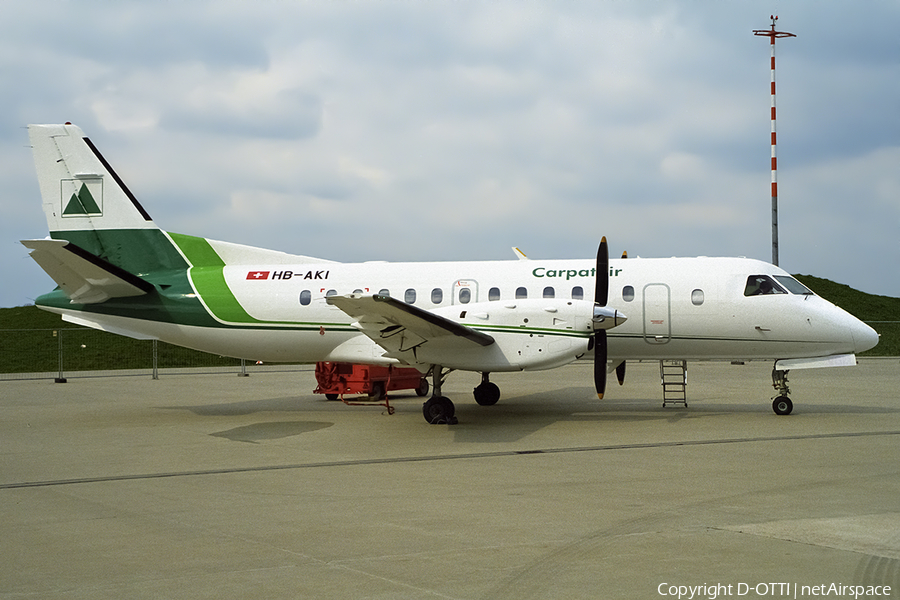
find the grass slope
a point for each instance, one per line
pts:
(31, 340)
(30, 317)
(877, 311)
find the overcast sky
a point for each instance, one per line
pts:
(359, 130)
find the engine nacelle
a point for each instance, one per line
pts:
(529, 334)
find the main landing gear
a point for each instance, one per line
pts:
(486, 393)
(439, 410)
(781, 404)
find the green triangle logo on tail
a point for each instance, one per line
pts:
(83, 203)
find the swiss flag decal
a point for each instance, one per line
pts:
(258, 275)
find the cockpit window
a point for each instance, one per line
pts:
(793, 286)
(762, 285)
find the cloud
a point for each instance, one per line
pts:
(453, 130)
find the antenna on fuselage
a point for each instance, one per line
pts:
(772, 34)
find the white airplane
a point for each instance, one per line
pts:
(118, 272)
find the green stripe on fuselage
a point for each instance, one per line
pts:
(207, 273)
(148, 254)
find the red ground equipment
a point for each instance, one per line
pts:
(336, 379)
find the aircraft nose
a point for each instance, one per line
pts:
(864, 337)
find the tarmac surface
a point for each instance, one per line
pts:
(218, 486)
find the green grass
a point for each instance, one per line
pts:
(29, 317)
(30, 337)
(874, 310)
(31, 340)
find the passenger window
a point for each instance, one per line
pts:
(697, 297)
(331, 293)
(577, 293)
(521, 293)
(627, 293)
(762, 285)
(494, 294)
(437, 296)
(357, 291)
(465, 296)
(549, 292)
(305, 297)
(384, 292)
(410, 296)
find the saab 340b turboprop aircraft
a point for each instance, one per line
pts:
(118, 272)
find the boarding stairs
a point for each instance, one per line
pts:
(673, 375)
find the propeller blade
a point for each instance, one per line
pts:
(601, 278)
(600, 362)
(620, 373)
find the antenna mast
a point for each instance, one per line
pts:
(772, 34)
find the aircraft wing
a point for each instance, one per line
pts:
(84, 277)
(399, 327)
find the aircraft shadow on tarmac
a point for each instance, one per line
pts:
(270, 430)
(291, 404)
(513, 419)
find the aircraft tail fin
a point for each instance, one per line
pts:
(87, 203)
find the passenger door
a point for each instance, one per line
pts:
(465, 291)
(657, 300)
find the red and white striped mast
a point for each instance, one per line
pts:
(772, 34)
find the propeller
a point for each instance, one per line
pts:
(601, 295)
(604, 318)
(620, 373)
(620, 368)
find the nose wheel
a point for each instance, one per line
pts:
(781, 404)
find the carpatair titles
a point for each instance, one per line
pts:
(570, 273)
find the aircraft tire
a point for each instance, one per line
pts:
(422, 390)
(487, 394)
(331, 397)
(439, 410)
(782, 405)
(379, 391)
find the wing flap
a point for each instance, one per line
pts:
(84, 277)
(399, 327)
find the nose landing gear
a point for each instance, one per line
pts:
(781, 403)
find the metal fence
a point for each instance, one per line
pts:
(79, 352)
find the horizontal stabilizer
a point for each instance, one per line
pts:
(98, 322)
(84, 277)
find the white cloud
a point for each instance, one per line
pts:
(452, 130)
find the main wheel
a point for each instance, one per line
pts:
(439, 410)
(487, 393)
(379, 391)
(782, 405)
